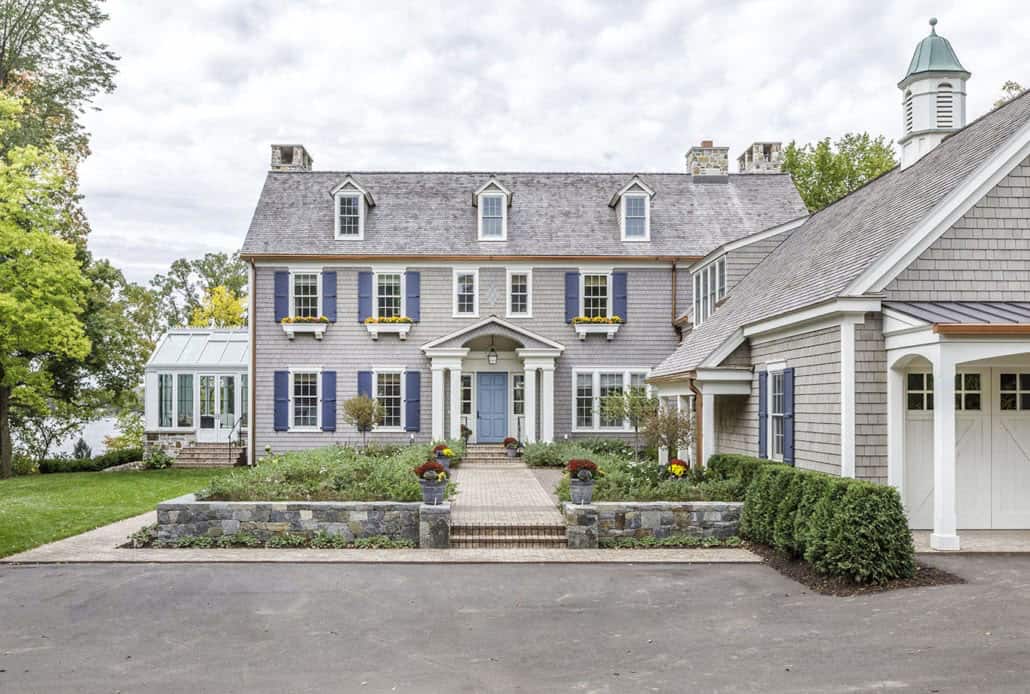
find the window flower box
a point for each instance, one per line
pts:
(294, 325)
(397, 325)
(598, 325)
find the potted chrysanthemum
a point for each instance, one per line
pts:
(678, 469)
(582, 474)
(443, 455)
(511, 446)
(433, 479)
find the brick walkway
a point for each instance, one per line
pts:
(502, 495)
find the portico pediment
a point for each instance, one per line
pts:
(469, 337)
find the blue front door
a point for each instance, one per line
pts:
(492, 405)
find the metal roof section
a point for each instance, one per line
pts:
(202, 347)
(933, 54)
(964, 312)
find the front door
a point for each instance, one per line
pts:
(217, 395)
(492, 407)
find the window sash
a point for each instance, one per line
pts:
(350, 215)
(465, 293)
(244, 400)
(518, 394)
(165, 403)
(491, 210)
(595, 296)
(590, 387)
(585, 400)
(305, 294)
(184, 401)
(388, 393)
(388, 295)
(1014, 391)
(519, 295)
(610, 384)
(466, 394)
(635, 216)
(305, 400)
(776, 413)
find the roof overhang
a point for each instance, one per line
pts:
(491, 186)
(634, 182)
(349, 182)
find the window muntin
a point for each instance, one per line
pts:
(465, 294)
(305, 400)
(388, 295)
(634, 216)
(595, 296)
(388, 393)
(709, 289)
(518, 394)
(919, 385)
(776, 413)
(1014, 392)
(968, 392)
(305, 294)
(349, 215)
(585, 400)
(491, 211)
(466, 394)
(184, 401)
(165, 403)
(518, 294)
(610, 384)
(590, 387)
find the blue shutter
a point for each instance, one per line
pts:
(763, 414)
(788, 416)
(571, 296)
(413, 400)
(365, 383)
(413, 296)
(329, 296)
(281, 381)
(328, 401)
(364, 296)
(619, 296)
(282, 295)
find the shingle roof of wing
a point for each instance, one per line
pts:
(822, 257)
(551, 214)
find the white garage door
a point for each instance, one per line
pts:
(992, 441)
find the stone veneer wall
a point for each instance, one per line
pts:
(429, 526)
(170, 442)
(587, 524)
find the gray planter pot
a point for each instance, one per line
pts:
(581, 492)
(433, 492)
(511, 452)
(445, 461)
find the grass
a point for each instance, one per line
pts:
(38, 509)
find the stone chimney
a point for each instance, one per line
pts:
(762, 157)
(290, 158)
(708, 163)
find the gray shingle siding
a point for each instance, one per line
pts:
(743, 260)
(643, 341)
(870, 400)
(985, 256)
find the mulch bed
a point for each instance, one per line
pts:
(803, 573)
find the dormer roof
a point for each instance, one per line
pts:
(489, 187)
(635, 184)
(349, 182)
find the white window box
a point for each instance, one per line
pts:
(609, 330)
(399, 329)
(294, 329)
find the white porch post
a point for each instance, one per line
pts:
(945, 516)
(896, 429)
(547, 404)
(707, 426)
(530, 403)
(455, 429)
(438, 423)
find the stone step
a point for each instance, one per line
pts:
(508, 542)
(477, 530)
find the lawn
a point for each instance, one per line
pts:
(38, 509)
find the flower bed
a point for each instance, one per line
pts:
(625, 480)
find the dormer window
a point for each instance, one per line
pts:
(492, 201)
(351, 203)
(633, 204)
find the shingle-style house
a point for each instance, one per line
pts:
(888, 336)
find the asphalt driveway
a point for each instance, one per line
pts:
(499, 628)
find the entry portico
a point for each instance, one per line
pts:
(496, 378)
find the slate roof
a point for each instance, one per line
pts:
(552, 214)
(964, 312)
(822, 257)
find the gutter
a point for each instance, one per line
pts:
(251, 385)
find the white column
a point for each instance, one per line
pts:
(547, 404)
(896, 429)
(945, 517)
(438, 423)
(707, 427)
(530, 404)
(455, 402)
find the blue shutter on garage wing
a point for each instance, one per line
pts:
(364, 296)
(328, 401)
(282, 295)
(281, 397)
(571, 296)
(788, 416)
(413, 296)
(619, 296)
(763, 414)
(413, 400)
(329, 296)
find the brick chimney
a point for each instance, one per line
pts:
(290, 158)
(761, 158)
(708, 163)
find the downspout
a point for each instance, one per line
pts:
(698, 428)
(674, 287)
(252, 367)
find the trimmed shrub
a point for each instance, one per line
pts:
(784, 537)
(761, 501)
(612, 447)
(814, 488)
(730, 466)
(100, 462)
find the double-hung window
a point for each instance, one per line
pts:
(388, 393)
(304, 294)
(388, 295)
(518, 394)
(348, 209)
(304, 400)
(776, 413)
(492, 217)
(596, 299)
(466, 394)
(610, 384)
(519, 304)
(466, 300)
(584, 401)
(709, 289)
(591, 387)
(635, 215)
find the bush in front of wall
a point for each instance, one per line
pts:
(157, 459)
(100, 462)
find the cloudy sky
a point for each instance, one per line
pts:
(181, 148)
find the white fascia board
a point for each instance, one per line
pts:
(731, 374)
(724, 387)
(485, 188)
(635, 182)
(957, 203)
(349, 182)
(747, 241)
(725, 349)
(834, 308)
(895, 322)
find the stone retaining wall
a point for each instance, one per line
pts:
(587, 524)
(428, 526)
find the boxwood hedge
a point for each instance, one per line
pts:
(842, 527)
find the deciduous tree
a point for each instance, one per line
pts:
(825, 172)
(221, 308)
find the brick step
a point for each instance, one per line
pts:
(508, 542)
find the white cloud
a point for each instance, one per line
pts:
(180, 149)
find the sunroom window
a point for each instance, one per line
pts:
(709, 289)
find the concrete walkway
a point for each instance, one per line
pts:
(501, 495)
(978, 541)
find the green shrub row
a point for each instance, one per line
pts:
(95, 464)
(842, 527)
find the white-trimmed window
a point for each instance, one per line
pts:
(389, 392)
(493, 217)
(596, 295)
(466, 394)
(518, 394)
(350, 215)
(184, 400)
(709, 289)
(776, 403)
(389, 301)
(305, 294)
(636, 217)
(165, 400)
(591, 386)
(305, 412)
(520, 293)
(466, 293)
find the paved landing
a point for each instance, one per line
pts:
(506, 495)
(976, 541)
